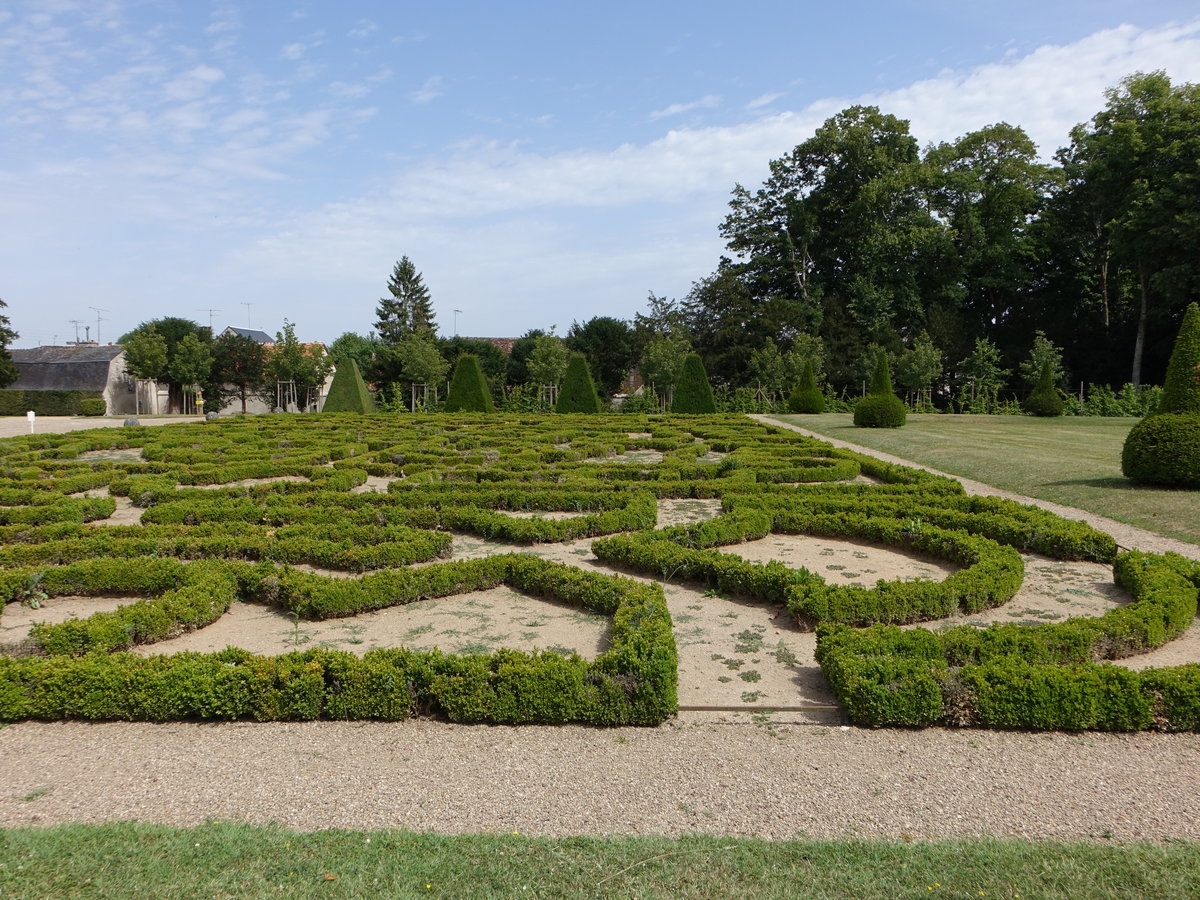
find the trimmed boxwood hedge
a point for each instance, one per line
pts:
(218, 527)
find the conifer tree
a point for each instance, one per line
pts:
(693, 393)
(577, 394)
(409, 309)
(1181, 387)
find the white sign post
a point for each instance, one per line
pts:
(31, 415)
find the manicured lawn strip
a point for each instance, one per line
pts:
(1075, 461)
(217, 860)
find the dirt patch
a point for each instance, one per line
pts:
(478, 622)
(130, 454)
(375, 484)
(841, 562)
(556, 515)
(18, 619)
(687, 512)
(245, 482)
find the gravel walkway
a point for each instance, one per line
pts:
(769, 779)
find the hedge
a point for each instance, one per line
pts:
(1045, 677)
(46, 403)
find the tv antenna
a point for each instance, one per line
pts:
(76, 323)
(97, 310)
(456, 312)
(248, 304)
(210, 315)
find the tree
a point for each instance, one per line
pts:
(693, 393)
(1043, 353)
(918, 367)
(422, 364)
(239, 367)
(607, 343)
(1181, 388)
(662, 361)
(517, 371)
(361, 349)
(348, 392)
(468, 389)
(982, 378)
(8, 369)
(492, 360)
(192, 364)
(146, 354)
(547, 365)
(578, 393)
(767, 369)
(173, 330)
(296, 368)
(1135, 165)
(409, 309)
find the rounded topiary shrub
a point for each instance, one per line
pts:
(880, 408)
(578, 392)
(1164, 449)
(807, 397)
(693, 393)
(92, 406)
(880, 411)
(468, 388)
(1045, 399)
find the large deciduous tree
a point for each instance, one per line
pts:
(1135, 172)
(173, 330)
(239, 368)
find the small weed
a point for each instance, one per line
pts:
(784, 655)
(729, 615)
(751, 696)
(36, 793)
(724, 679)
(714, 594)
(835, 567)
(750, 675)
(414, 633)
(734, 664)
(750, 641)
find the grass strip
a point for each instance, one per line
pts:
(223, 860)
(1073, 460)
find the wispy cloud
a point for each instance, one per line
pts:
(675, 109)
(763, 100)
(363, 28)
(429, 91)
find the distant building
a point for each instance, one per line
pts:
(259, 337)
(78, 367)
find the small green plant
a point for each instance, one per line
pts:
(30, 594)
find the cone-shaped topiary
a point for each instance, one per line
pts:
(1164, 448)
(881, 408)
(1045, 399)
(693, 393)
(468, 388)
(1181, 388)
(577, 393)
(807, 397)
(348, 392)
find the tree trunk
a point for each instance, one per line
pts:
(1140, 341)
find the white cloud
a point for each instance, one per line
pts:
(292, 51)
(363, 28)
(192, 84)
(430, 90)
(763, 100)
(675, 109)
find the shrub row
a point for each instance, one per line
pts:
(633, 683)
(1042, 677)
(45, 403)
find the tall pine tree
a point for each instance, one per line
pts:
(409, 309)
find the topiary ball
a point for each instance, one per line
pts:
(880, 411)
(1047, 403)
(806, 401)
(1164, 449)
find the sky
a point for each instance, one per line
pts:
(541, 163)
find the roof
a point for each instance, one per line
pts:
(503, 344)
(259, 337)
(72, 368)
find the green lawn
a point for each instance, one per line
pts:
(228, 861)
(1075, 461)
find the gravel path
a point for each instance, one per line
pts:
(771, 778)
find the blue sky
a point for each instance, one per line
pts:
(539, 162)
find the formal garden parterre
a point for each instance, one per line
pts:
(274, 511)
